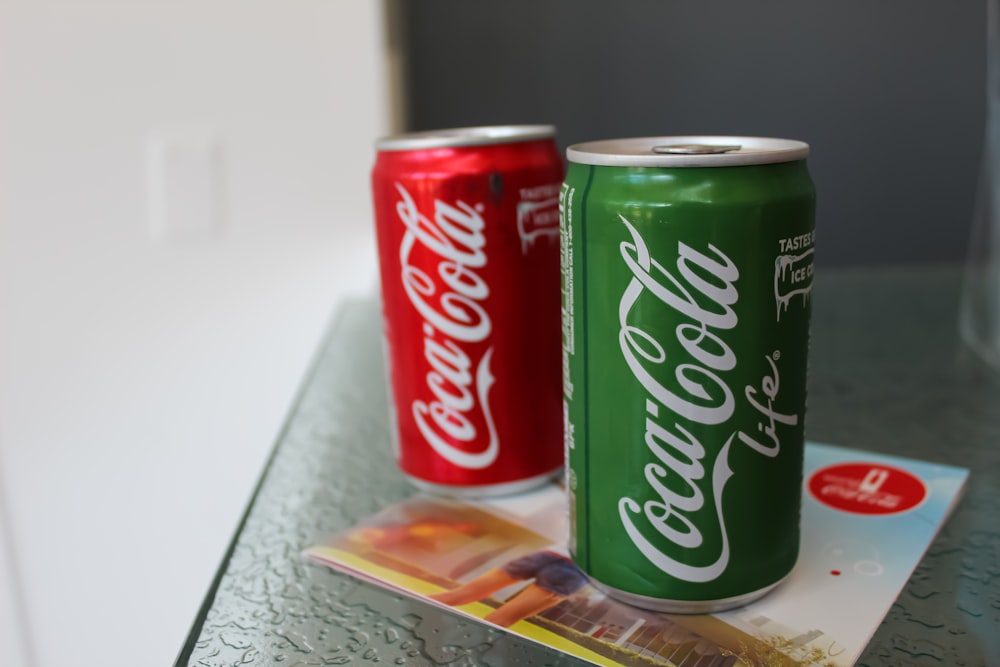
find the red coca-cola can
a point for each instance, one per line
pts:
(468, 236)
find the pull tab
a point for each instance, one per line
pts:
(694, 149)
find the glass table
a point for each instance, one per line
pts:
(888, 374)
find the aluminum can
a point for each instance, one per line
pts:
(467, 222)
(687, 273)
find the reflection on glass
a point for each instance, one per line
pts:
(980, 314)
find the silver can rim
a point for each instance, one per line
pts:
(670, 606)
(639, 151)
(474, 492)
(480, 135)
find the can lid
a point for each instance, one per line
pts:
(687, 151)
(465, 136)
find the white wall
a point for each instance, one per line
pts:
(183, 199)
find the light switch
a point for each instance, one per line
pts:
(185, 177)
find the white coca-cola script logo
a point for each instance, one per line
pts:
(702, 297)
(450, 304)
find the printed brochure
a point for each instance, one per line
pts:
(866, 521)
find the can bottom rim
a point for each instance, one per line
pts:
(485, 490)
(684, 606)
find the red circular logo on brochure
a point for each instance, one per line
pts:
(867, 488)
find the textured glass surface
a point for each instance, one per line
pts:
(887, 374)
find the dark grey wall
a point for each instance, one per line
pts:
(889, 93)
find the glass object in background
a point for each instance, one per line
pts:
(980, 315)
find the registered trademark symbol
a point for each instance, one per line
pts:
(776, 355)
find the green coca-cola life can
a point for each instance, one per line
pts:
(687, 267)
